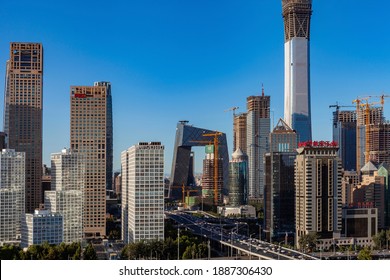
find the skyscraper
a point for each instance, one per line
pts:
(238, 179)
(188, 136)
(23, 113)
(279, 190)
(344, 133)
(239, 132)
(12, 184)
(67, 194)
(297, 112)
(91, 136)
(318, 175)
(210, 194)
(143, 192)
(367, 119)
(258, 129)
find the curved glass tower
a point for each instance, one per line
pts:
(297, 113)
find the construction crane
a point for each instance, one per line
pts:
(184, 190)
(216, 169)
(232, 109)
(337, 106)
(215, 143)
(234, 127)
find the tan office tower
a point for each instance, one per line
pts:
(89, 135)
(23, 113)
(318, 175)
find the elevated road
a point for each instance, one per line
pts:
(232, 240)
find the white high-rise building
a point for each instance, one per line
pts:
(297, 110)
(143, 192)
(67, 194)
(12, 186)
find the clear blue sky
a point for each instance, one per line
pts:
(191, 60)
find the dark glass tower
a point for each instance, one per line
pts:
(279, 191)
(238, 179)
(344, 133)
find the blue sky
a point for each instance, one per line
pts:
(191, 60)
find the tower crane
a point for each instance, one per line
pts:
(215, 142)
(232, 109)
(337, 106)
(215, 135)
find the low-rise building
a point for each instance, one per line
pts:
(42, 226)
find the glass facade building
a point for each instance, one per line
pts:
(238, 179)
(42, 226)
(143, 192)
(344, 133)
(188, 136)
(67, 194)
(12, 188)
(279, 193)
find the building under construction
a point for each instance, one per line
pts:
(212, 195)
(367, 119)
(258, 129)
(239, 132)
(379, 143)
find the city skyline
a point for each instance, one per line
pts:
(161, 57)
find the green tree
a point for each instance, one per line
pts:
(9, 252)
(308, 242)
(379, 239)
(364, 254)
(89, 253)
(387, 238)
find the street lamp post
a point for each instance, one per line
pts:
(259, 231)
(250, 246)
(231, 243)
(178, 242)
(208, 247)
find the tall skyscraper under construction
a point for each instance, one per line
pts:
(212, 180)
(369, 119)
(23, 113)
(258, 129)
(91, 136)
(297, 112)
(239, 132)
